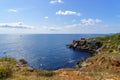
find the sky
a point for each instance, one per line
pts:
(59, 16)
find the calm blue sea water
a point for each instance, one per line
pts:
(43, 51)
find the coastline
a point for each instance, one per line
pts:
(102, 50)
(105, 61)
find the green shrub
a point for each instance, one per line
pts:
(110, 50)
(5, 72)
(10, 60)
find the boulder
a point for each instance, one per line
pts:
(22, 63)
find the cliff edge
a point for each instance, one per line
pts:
(105, 50)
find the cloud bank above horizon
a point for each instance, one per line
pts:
(59, 16)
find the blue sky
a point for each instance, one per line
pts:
(59, 16)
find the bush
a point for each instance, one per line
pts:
(5, 72)
(110, 50)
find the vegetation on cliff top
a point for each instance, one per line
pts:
(94, 45)
(112, 43)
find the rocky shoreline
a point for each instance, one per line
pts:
(90, 45)
(104, 55)
(86, 44)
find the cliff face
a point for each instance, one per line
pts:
(107, 49)
(89, 45)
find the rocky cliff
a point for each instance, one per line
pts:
(89, 45)
(107, 50)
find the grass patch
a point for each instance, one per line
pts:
(5, 72)
(47, 74)
(10, 60)
(6, 65)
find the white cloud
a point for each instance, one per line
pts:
(84, 26)
(46, 17)
(52, 28)
(85, 23)
(67, 13)
(90, 22)
(12, 10)
(56, 1)
(19, 25)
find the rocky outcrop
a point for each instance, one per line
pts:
(89, 45)
(23, 63)
(83, 64)
(102, 46)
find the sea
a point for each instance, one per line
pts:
(44, 51)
